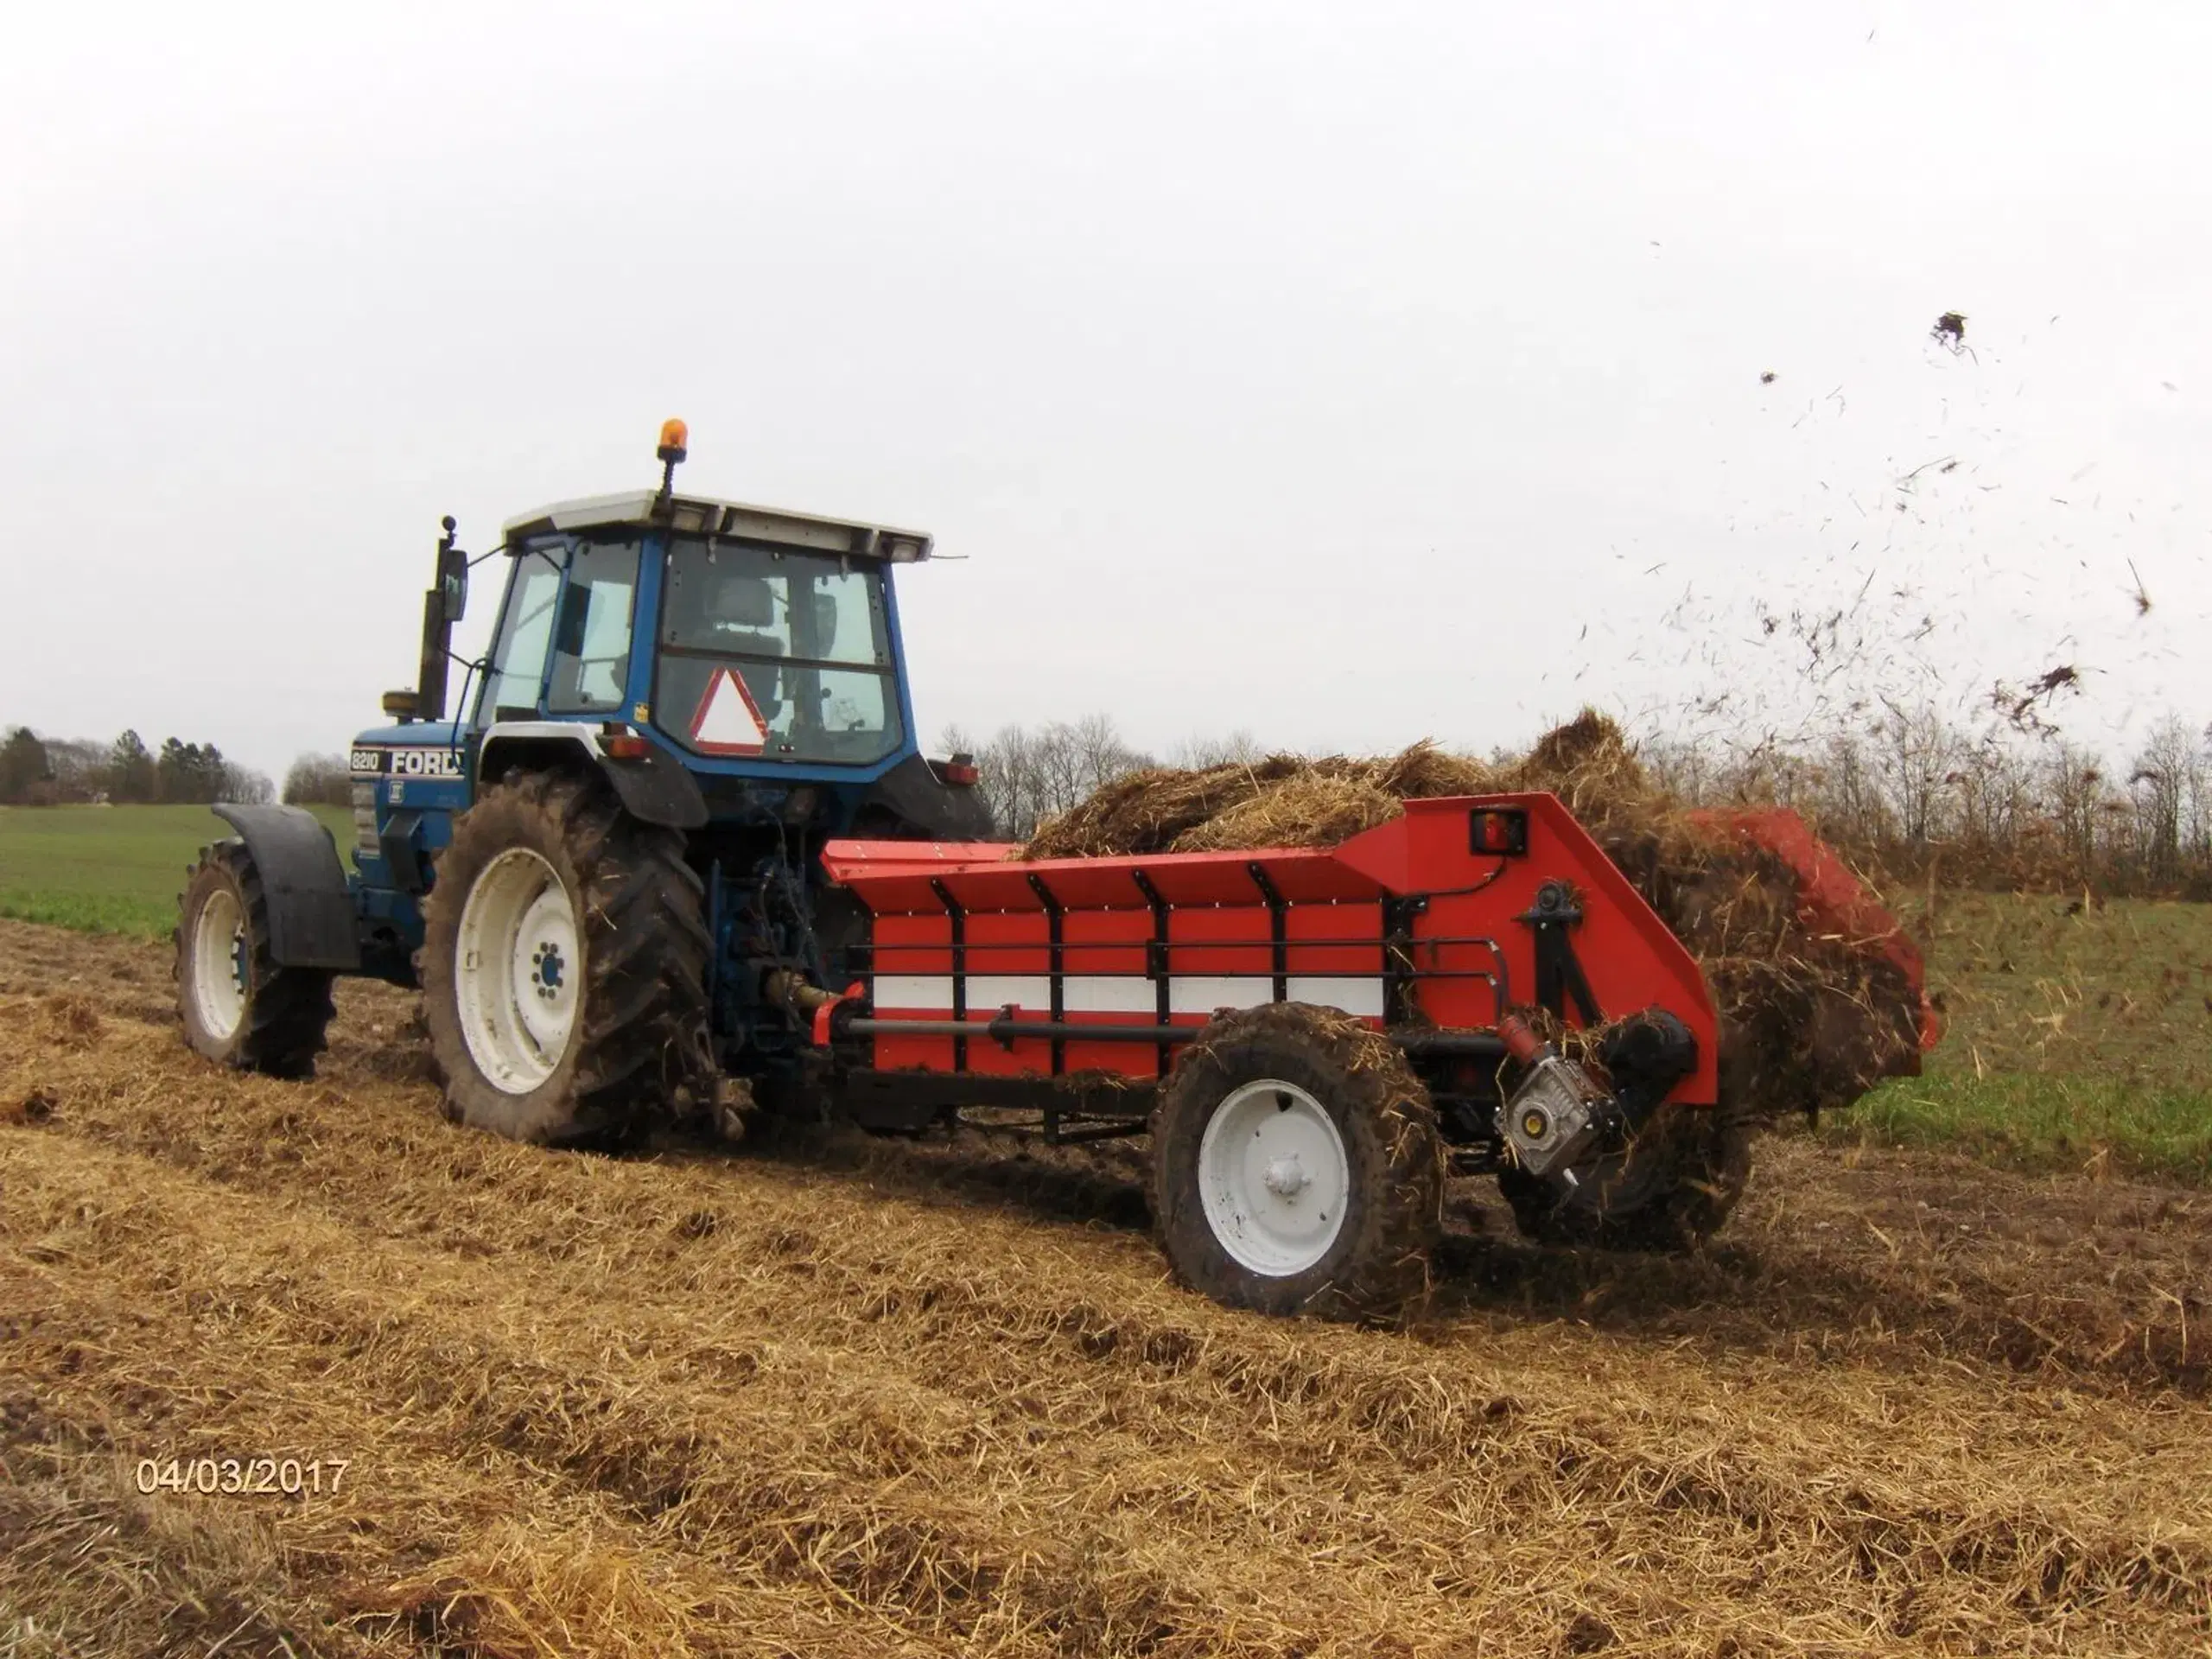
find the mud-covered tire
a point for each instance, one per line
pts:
(238, 1006)
(636, 1033)
(1673, 1187)
(1299, 1058)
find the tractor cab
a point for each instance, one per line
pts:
(741, 641)
(728, 672)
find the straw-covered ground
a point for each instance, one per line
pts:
(839, 1398)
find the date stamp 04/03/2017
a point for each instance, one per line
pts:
(243, 1477)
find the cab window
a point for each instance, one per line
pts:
(518, 666)
(591, 641)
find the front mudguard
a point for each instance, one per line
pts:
(311, 921)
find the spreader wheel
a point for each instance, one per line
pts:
(563, 966)
(238, 1006)
(1296, 1167)
(1670, 1189)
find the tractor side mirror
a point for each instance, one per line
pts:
(452, 583)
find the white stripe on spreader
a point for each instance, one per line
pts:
(1127, 992)
(931, 991)
(1110, 994)
(1203, 993)
(1360, 997)
(1029, 993)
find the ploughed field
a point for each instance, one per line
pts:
(833, 1395)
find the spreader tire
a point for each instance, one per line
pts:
(1296, 1165)
(564, 966)
(238, 1006)
(1671, 1189)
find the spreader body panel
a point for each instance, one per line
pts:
(1435, 922)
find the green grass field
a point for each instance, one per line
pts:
(110, 869)
(2077, 1036)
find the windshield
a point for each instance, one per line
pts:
(764, 652)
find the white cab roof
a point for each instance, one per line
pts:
(698, 515)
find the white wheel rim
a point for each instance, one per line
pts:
(1273, 1178)
(221, 973)
(519, 974)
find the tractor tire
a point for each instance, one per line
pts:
(1296, 1165)
(563, 967)
(1670, 1189)
(238, 1006)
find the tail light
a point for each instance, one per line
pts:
(961, 769)
(621, 743)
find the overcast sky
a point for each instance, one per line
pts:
(1346, 373)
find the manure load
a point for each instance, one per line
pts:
(1819, 989)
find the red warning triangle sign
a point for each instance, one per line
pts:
(727, 721)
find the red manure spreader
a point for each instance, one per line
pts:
(1314, 1039)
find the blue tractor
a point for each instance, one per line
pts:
(603, 873)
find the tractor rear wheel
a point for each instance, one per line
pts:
(1296, 1165)
(563, 966)
(1670, 1189)
(238, 1006)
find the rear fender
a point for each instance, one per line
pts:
(311, 921)
(655, 788)
(916, 796)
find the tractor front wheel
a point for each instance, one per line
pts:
(564, 966)
(238, 1006)
(1296, 1165)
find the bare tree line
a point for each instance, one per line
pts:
(1029, 774)
(1917, 793)
(318, 780)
